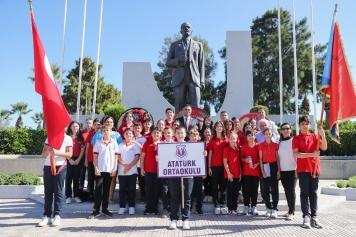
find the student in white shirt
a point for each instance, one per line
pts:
(53, 183)
(129, 155)
(105, 162)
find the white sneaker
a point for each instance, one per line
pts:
(77, 199)
(268, 212)
(315, 223)
(223, 211)
(45, 221)
(121, 211)
(217, 210)
(306, 223)
(237, 213)
(69, 200)
(232, 213)
(173, 225)
(254, 211)
(206, 199)
(186, 225)
(131, 210)
(210, 199)
(274, 214)
(56, 221)
(245, 212)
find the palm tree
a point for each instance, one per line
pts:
(21, 109)
(56, 74)
(4, 118)
(38, 118)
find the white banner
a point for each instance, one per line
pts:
(181, 159)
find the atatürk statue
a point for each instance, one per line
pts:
(186, 57)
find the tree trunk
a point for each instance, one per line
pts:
(19, 123)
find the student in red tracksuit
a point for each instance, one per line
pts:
(232, 173)
(250, 173)
(216, 166)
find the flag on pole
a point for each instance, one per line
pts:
(337, 83)
(55, 113)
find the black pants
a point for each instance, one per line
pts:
(102, 189)
(152, 191)
(218, 184)
(53, 186)
(127, 187)
(91, 178)
(308, 193)
(197, 192)
(165, 194)
(83, 170)
(250, 190)
(73, 173)
(176, 197)
(141, 182)
(207, 185)
(270, 185)
(233, 189)
(289, 181)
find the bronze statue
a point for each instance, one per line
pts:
(186, 57)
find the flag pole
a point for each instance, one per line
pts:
(81, 63)
(322, 113)
(63, 46)
(295, 72)
(313, 62)
(97, 59)
(182, 191)
(280, 65)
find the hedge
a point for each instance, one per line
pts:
(21, 178)
(22, 141)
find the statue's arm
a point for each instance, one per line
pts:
(201, 64)
(171, 61)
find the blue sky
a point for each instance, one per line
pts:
(133, 31)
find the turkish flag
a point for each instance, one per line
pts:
(55, 113)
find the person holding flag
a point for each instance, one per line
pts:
(58, 146)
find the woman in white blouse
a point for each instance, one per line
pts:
(288, 165)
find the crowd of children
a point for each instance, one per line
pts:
(236, 162)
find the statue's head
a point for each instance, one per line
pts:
(186, 29)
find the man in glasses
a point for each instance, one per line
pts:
(261, 114)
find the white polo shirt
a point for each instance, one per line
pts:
(128, 153)
(106, 154)
(67, 142)
(141, 140)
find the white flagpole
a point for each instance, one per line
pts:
(63, 46)
(81, 62)
(280, 66)
(97, 59)
(313, 63)
(295, 71)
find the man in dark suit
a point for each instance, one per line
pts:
(186, 120)
(186, 57)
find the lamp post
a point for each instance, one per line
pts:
(86, 96)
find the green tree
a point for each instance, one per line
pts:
(56, 74)
(265, 59)
(4, 118)
(106, 93)
(115, 111)
(164, 78)
(38, 119)
(305, 106)
(20, 108)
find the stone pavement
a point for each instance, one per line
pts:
(18, 217)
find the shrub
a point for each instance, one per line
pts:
(23, 178)
(341, 183)
(352, 178)
(351, 183)
(115, 111)
(4, 178)
(256, 107)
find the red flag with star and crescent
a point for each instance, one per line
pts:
(56, 116)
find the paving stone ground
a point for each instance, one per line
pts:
(19, 217)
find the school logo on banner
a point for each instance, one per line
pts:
(181, 152)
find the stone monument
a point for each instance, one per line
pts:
(186, 57)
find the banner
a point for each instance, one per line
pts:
(184, 159)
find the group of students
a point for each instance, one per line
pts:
(237, 160)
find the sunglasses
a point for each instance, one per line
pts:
(284, 129)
